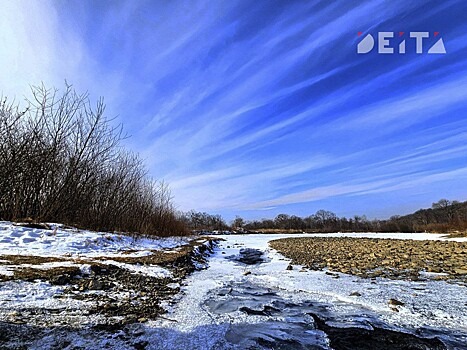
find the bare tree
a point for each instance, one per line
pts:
(61, 160)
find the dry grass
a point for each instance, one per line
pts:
(28, 259)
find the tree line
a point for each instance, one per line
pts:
(443, 216)
(202, 221)
(61, 160)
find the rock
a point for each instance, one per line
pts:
(141, 345)
(37, 225)
(395, 302)
(19, 321)
(95, 269)
(397, 258)
(289, 267)
(95, 284)
(61, 280)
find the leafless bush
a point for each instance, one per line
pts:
(61, 160)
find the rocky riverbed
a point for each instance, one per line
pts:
(373, 257)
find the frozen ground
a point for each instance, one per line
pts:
(42, 303)
(210, 316)
(233, 305)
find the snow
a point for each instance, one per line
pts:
(8, 270)
(429, 305)
(205, 318)
(73, 248)
(18, 240)
(81, 247)
(148, 270)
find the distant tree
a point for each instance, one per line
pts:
(296, 223)
(309, 222)
(267, 223)
(204, 221)
(441, 204)
(326, 220)
(238, 222)
(282, 221)
(448, 209)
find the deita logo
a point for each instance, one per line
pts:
(385, 46)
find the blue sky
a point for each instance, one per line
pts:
(255, 108)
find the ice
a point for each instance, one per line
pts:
(233, 304)
(226, 304)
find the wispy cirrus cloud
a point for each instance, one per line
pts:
(259, 108)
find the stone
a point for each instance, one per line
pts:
(95, 284)
(395, 302)
(141, 345)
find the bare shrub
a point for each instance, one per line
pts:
(61, 160)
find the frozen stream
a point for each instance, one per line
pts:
(260, 304)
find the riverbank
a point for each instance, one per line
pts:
(71, 281)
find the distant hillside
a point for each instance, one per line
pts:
(443, 216)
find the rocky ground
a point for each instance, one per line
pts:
(120, 297)
(365, 257)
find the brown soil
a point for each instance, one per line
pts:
(28, 259)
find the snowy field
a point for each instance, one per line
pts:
(18, 240)
(232, 305)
